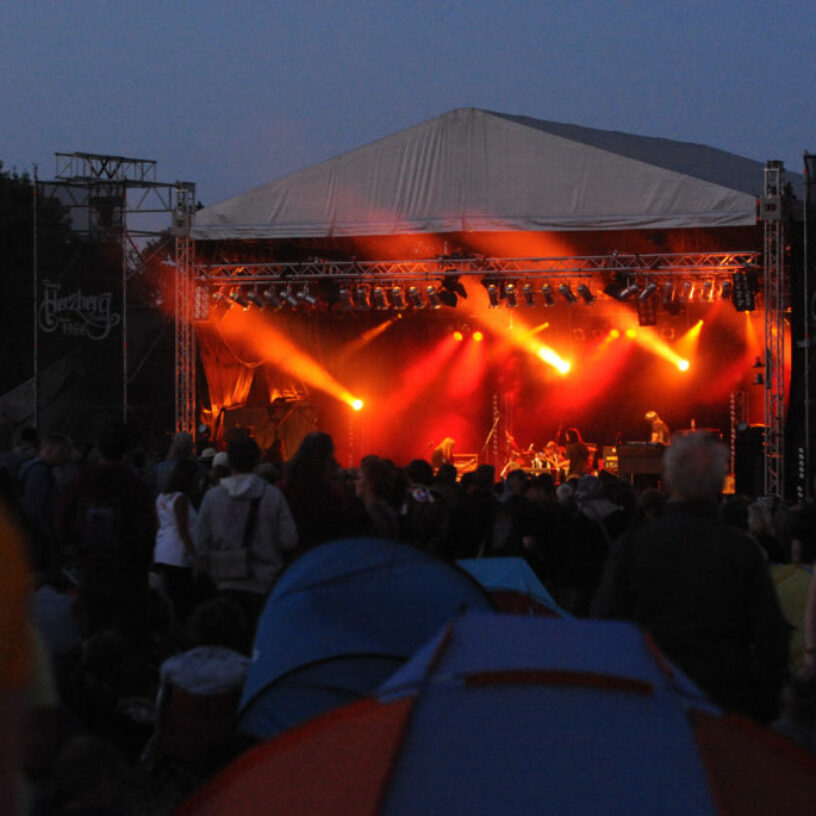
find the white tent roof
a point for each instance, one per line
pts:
(473, 170)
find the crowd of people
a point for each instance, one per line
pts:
(130, 586)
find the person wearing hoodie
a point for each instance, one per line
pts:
(245, 530)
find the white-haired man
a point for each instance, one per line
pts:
(701, 587)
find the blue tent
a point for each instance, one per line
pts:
(342, 619)
(513, 585)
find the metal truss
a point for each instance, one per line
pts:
(709, 264)
(775, 300)
(185, 350)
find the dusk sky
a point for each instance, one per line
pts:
(231, 95)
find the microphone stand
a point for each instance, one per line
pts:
(491, 432)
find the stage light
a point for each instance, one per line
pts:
(478, 336)
(529, 294)
(586, 294)
(647, 306)
(707, 294)
(567, 293)
(631, 333)
(493, 295)
(357, 405)
(726, 290)
(648, 291)
(614, 334)
(379, 298)
(510, 294)
(667, 294)
(629, 291)
(547, 295)
(745, 289)
(397, 298)
(415, 298)
(361, 298)
(346, 298)
(458, 336)
(290, 297)
(236, 297)
(271, 298)
(306, 296)
(687, 292)
(452, 285)
(255, 299)
(683, 365)
(433, 298)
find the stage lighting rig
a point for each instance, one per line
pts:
(547, 295)
(306, 296)
(629, 291)
(271, 298)
(361, 298)
(397, 298)
(255, 299)
(746, 286)
(510, 295)
(346, 298)
(529, 294)
(451, 288)
(493, 295)
(415, 298)
(647, 305)
(378, 295)
(567, 293)
(585, 292)
(290, 297)
(433, 297)
(236, 297)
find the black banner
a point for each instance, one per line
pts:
(79, 326)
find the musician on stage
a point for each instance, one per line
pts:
(578, 453)
(443, 453)
(660, 430)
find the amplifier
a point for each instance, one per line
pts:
(635, 459)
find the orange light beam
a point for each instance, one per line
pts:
(251, 329)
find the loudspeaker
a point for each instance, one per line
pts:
(749, 465)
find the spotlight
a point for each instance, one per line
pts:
(510, 294)
(687, 292)
(290, 297)
(255, 299)
(452, 285)
(357, 404)
(271, 298)
(648, 291)
(567, 293)
(306, 296)
(397, 298)
(415, 298)
(529, 294)
(221, 301)
(683, 365)
(346, 298)
(236, 297)
(707, 294)
(478, 336)
(727, 290)
(458, 336)
(629, 291)
(615, 286)
(433, 298)
(585, 293)
(547, 295)
(647, 306)
(361, 298)
(379, 298)
(493, 295)
(745, 289)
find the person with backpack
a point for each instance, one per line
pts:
(109, 521)
(245, 530)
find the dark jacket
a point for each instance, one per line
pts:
(703, 590)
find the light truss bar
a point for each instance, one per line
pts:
(98, 167)
(774, 293)
(711, 264)
(185, 408)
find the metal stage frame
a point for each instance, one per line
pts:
(197, 281)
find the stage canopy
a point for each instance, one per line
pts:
(476, 170)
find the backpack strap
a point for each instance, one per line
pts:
(251, 520)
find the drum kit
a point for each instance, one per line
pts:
(549, 460)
